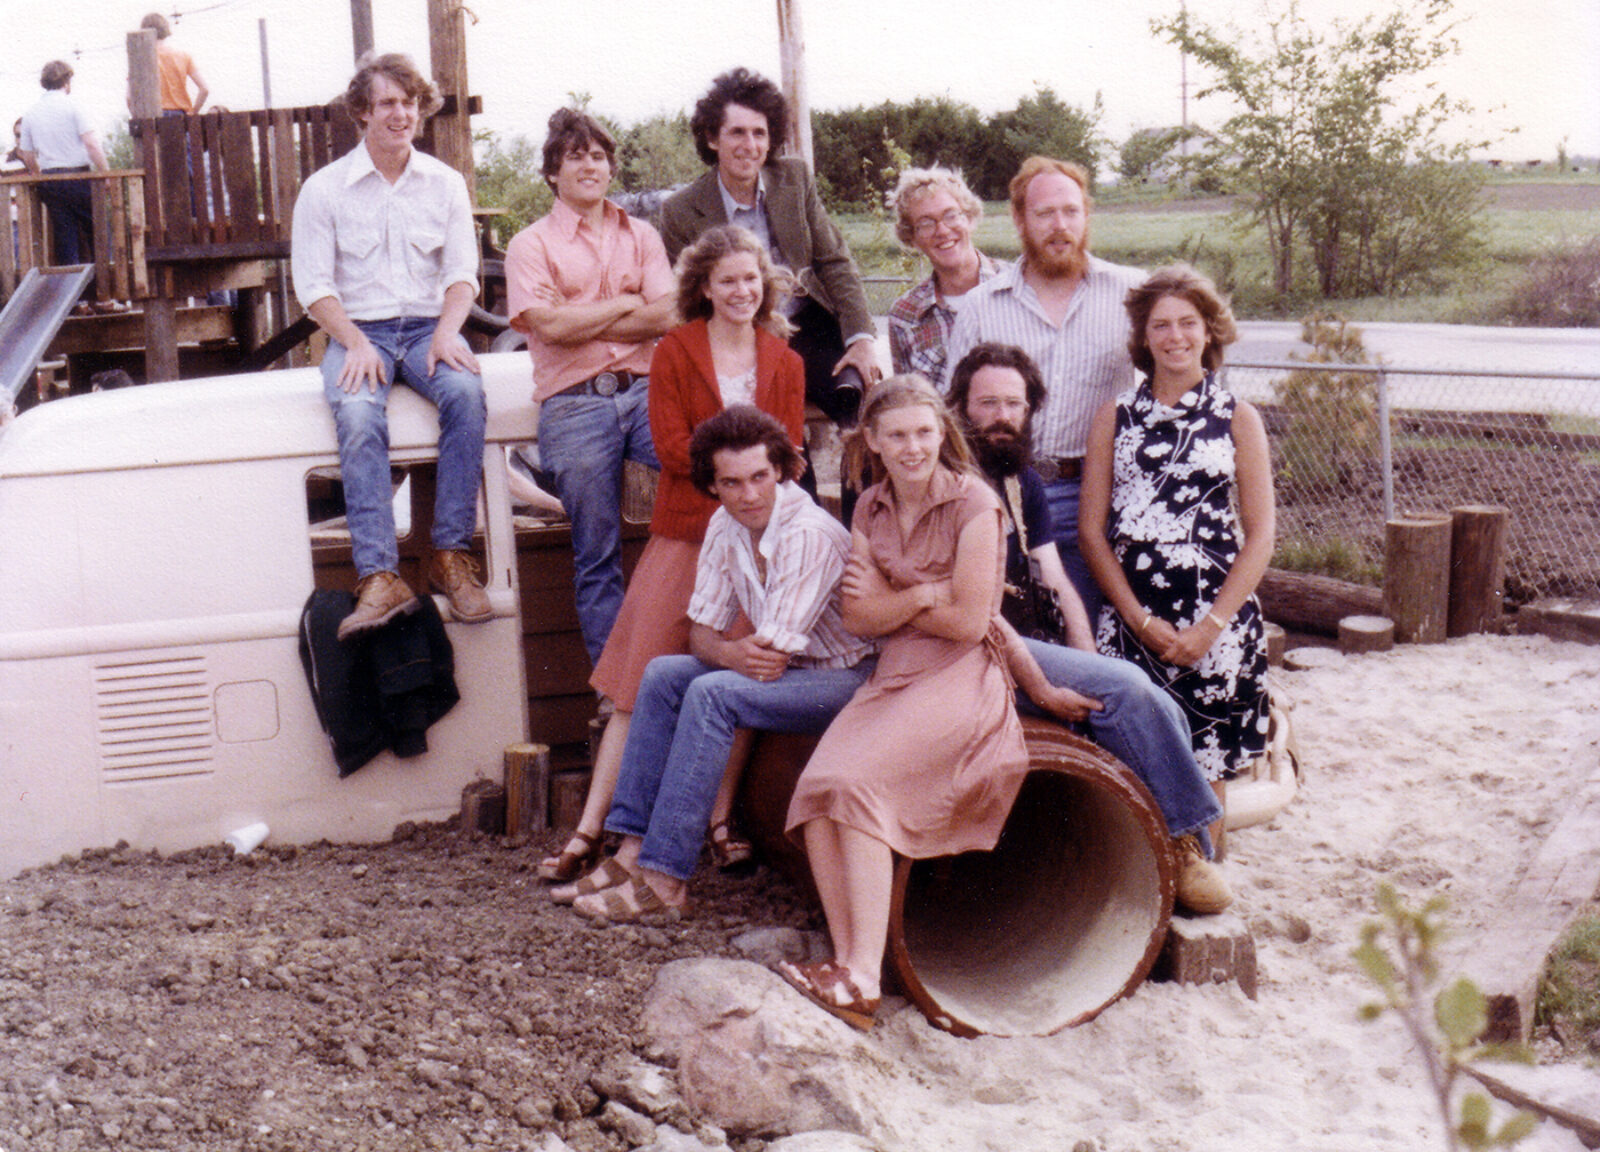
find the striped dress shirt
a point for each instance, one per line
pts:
(796, 608)
(1084, 360)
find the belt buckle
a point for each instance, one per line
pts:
(607, 384)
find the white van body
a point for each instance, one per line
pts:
(154, 561)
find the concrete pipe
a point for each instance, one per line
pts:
(1065, 916)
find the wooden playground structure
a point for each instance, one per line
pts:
(206, 212)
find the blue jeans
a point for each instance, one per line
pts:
(1141, 725)
(680, 737)
(1063, 498)
(71, 205)
(583, 441)
(362, 420)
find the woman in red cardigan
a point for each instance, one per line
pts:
(731, 350)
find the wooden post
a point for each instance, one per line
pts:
(361, 26)
(527, 789)
(144, 84)
(1477, 568)
(1416, 576)
(447, 46)
(792, 68)
(160, 339)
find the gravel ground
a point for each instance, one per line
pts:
(422, 994)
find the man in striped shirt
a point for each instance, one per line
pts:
(1063, 307)
(773, 555)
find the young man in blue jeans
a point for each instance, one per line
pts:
(386, 262)
(771, 553)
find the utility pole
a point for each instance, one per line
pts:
(792, 63)
(1183, 81)
(361, 26)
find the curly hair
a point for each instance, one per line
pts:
(992, 355)
(1182, 281)
(695, 265)
(735, 429)
(907, 390)
(398, 69)
(749, 89)
(570, 129)
(915, 183)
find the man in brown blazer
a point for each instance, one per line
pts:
(738, 130)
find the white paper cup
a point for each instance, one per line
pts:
(246, 840)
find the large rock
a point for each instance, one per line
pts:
(757, 1059)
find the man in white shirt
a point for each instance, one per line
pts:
(56, 138)
(1063, 307)
(385, 261)
(771, 553)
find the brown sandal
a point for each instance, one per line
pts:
(609, 875)
(730, 851)
(823, 983)
(626, 903)
(569, 865)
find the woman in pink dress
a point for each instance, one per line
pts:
(729, 351)
(928, 756)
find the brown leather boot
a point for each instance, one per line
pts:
(1201, 886)
(455, 574)
(379, 599)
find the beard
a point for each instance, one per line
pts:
(1074, 263)
(1001, 449)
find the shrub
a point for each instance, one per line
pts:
(1561, 290)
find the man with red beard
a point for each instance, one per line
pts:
(1063, 307)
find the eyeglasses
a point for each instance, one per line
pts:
(928, 225)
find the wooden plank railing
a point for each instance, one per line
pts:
(119, 232)
(221, 186)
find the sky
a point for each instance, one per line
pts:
(1533, 69)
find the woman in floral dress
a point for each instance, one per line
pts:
(1177, 521)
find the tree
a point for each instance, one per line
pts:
(1040, 125)
(658, 152)
(1328, 149)
(1147, 154)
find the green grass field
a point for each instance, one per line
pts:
(1529, 215)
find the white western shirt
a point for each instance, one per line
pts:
(384, 251)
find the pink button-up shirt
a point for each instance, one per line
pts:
(563, 252)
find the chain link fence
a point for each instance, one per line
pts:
(1355, 444)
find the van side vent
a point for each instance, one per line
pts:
(154, 716)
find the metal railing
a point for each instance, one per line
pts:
(1354, 444)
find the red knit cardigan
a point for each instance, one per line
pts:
(683, 392)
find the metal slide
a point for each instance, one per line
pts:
(34, 315)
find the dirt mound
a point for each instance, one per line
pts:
(419, 994)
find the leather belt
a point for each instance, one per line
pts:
(1052, 468)
(603, 384)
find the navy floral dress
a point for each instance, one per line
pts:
(1175, 531)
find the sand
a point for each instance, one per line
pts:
(1438, 768)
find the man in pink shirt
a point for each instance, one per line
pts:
(593, 289)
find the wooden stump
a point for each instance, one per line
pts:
(1477, 568)
(1277, 643)
(527, 769)
(1358, 634)
(1416, 577)
(483, 807)
(567, 792)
